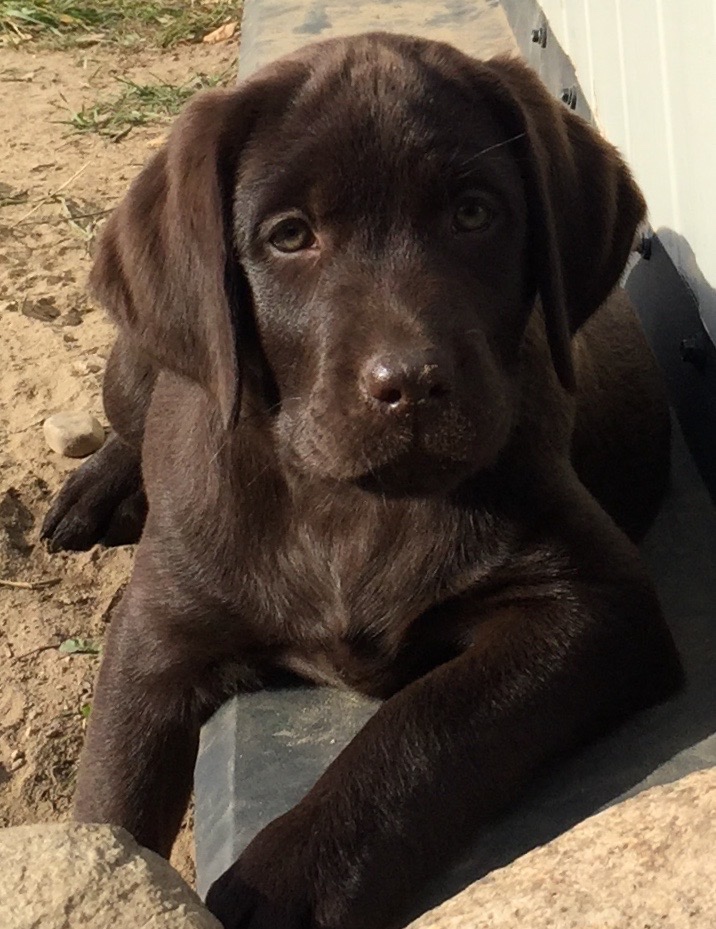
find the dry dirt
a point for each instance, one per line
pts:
(53, 344)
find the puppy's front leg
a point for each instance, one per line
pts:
(154, 692)
(547, 665)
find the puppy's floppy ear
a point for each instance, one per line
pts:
(583, 203)
(165, 267)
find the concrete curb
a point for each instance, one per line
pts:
(271, 28)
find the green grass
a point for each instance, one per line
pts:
(138, 105)
(164, 23)
(79, 646)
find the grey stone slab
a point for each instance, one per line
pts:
(259, 755)
(271, 28)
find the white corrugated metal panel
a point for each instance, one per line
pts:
(648, 68)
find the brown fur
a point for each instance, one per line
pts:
(368, 462)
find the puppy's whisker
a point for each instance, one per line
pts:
(222, 445)
(270, 409)
(257, 476)
(366, 463)
(492, 148)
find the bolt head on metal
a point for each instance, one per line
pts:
(693, 351)
(568, 96)
(644, 246)
(539, 36)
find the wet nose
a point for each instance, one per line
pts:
(398, 382)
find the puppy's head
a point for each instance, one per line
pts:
(357, 236)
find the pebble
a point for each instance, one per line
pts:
(45, 309)
(85, 41)
(72, 317)
(73, 434)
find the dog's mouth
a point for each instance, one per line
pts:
(417, 455)
(415, 474)
(404, 459)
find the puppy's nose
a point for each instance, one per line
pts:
(400, 381)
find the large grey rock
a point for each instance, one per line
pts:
(646, 863)
(90, 877)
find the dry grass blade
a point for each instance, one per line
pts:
(51, 196)
(30, 585)
(82, 216)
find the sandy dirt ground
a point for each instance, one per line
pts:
(53, 344)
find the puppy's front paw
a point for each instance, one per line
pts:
(102, 501)
(238, 903)
(275, 883)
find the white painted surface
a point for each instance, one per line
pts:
(648, 68)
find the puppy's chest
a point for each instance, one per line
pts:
(343, 597)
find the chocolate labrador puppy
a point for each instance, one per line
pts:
(397, 432)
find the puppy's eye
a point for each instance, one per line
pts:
(472, 214)
(292, 235)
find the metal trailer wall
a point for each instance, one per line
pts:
(644, 72)
(648, 71)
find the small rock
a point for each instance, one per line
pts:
(86, 41)
(73, 434)
(72, 317)
(94, 368)
(60, 278)
(45, 309)
(16, 521)
(68, 337)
